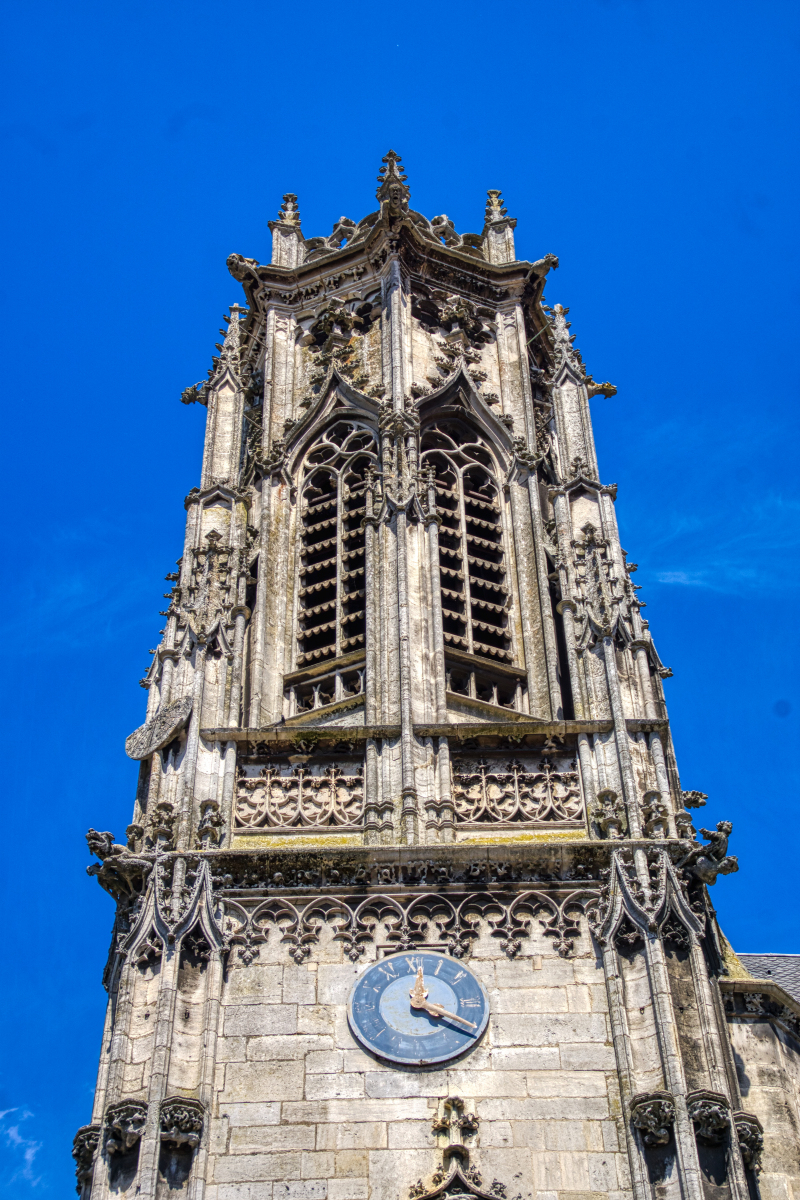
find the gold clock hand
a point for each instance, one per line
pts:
(436, 1010)
(419, 999)
(419, 995)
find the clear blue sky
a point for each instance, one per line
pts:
(650, 144)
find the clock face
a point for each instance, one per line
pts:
(418, 1008)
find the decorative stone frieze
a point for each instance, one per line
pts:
(498, 793)
(300, 798)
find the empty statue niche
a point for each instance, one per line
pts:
(677, 947)
(473, 578)
(123, 1167)
(174, 1169)
(293, 791)
(331, 577)
(713, 1157)
(661, 1170)
(189, 1032)
(516, 787)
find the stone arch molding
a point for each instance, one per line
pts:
(648, 910)
(166, 919)
(450, 921)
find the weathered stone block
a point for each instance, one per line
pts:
(246, 1168)
(352, 1163)
(531, 1000)
(315, 1018)
(299, 985)
(253, 1139)
(523, 1058)
(296, 1047)
(406, 1083)
(262, 1081)
(522, 1030)
(318, 1164)
(301, 1189)
(252, 1114)
(259, 1019)
(322, 1062)
(413, 1134)
(347, 1135)
(348, 1189)
(334, 1087)
(587, 1056)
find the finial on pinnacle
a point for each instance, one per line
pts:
(393, 190)
(494, 206)
(498, 229)
(289, 213)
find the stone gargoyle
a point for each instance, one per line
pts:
(121, 873)
(705, 863)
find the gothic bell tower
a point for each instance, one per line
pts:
(411, 904)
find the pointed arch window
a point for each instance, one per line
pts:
(331, 576)
(472, 561)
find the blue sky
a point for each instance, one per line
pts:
(651, 145)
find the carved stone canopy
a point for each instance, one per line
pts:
(84, 1145)
(160, 730)
(654, 1114)
(710, 1113)
(750, 1133)
(459, 1184)
(181, 1121)
(125, 1125)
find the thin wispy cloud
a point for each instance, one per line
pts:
(19, 1151)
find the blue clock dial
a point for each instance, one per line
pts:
(418, 1008)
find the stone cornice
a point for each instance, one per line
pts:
(459, 731)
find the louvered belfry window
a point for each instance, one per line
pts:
(471, 555)
(331, 583)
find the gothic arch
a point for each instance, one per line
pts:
(331, 481)
(474, 576)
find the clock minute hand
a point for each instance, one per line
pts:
(419, 999)
(436, 1010)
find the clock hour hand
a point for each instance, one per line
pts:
(419, 999)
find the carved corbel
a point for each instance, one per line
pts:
(750, 1134)
(84, 1146)
(653, 1113)
(124, 1125)
(710, 1113)
(181, 1121)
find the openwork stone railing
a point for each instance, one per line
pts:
(517, 795)
(275, 800)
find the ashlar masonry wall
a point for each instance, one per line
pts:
(301, 1112)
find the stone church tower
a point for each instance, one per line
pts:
(411, 904)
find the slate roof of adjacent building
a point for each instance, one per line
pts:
(783, 969)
